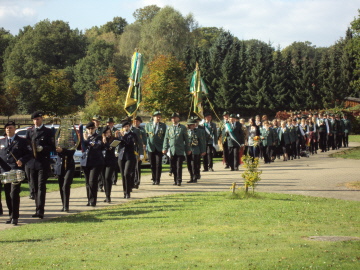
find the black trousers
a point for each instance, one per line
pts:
(345, 139)
(91, 179)
(39, 179)
(156, 165)
(234, 158)
(322, 141)
(193, 165)
(267, 153)
(176, 166)
(226, 153)
(65, 180)
(127, 169)
(31, 184)
(108, 174)
(339, 140)
(208, 158)
(12, 195)
(331, 142)
(137, 174)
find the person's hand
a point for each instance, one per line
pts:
(59, 149)
(104, 138)
(164, 151)
(19, 163)
(188, 152)
(39, 148)
(203, 154)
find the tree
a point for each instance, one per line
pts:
(355, 47)
(109, 98)
(55, 93)
(35, 52)
(168, 34)
(89, 69)
(165, 87)
(146, 14)
(116, 26)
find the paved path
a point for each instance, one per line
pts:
(318, 175)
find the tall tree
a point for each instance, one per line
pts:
(165, 87)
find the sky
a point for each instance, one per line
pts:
(279, 22)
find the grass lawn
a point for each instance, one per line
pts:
(354, 138)
(192, 231)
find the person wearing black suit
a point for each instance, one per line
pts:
(64, 169)
(92, 162)
(15, 151)
(235, 139)
(127, 158)
(42, 143)
(110, 162)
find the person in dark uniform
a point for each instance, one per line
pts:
(197, 145)
(284, 140)
(64, 169)
(99, 130)
(141, 134)
(235, 139)
(15, 152)
(155, 131)
(211, 141)
(347, 130)
(267, 140)
(221, 133)
(42, 143)
(92, 162)
(127, 158)
(110, 123)
(177, 141)
(110, 162)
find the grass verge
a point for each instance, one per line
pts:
(189, 231)
(353, 153)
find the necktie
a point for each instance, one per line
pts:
(9, 142)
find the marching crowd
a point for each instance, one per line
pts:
(106, 151)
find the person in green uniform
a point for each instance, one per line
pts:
(140, 133)
(197, 145)
(177, 142)
(155, 131)
(347, 130)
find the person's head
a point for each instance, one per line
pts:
(125, 125)
(90, 128)
(252, 122)
(275, 122)
(232, 118)
(107, 132)
(175, 118)
(96, 120)
(207, 117)
(265, 124)
(302, 121)
(257, 118)
(110, 122)
(320, 115)
(37, 118)
(10, 129)
(283, 124)
(191, 123)
(157, 116)
(242, 121)
(294, 122)
(226, 115)
(137, 121)
(264, 117)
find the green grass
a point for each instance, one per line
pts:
(192, 231)
(353, 153)
(354, 138)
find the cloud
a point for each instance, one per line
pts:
(16, 14)
(321, 22)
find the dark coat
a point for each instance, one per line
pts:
(238, 134)
(40, 137)
(110, 158)
(128, 145)
(93, 156)
(64, 161)
(19, 149)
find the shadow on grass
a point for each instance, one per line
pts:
(28, 240)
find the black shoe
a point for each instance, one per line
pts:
(211, 169)
(35, 215)
(128, 196)
(31, 197)
(205, 170)
(66, 209)
(108, 200)
(227, 167)
(175, 184)
(179, 184)
(62, 209)
(136, 186)
(1, 212)
(102, 190)
(157, 183)
(88, 204)
(154, 183)
(198, 176)
(8, 221)
(14, 221)
(124, 195)
(195, 181)
(93, 204)
(191, 181)
(41, 216)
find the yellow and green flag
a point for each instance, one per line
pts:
(133, 96)
(198, 88)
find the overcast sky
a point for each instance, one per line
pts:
(279, 22)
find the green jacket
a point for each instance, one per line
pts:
(177, 140)
(347, 125)
(286, 136)
(210, 133)
(139, 148)
(293, 133)
(267, 137)
(155, 140)
(197, 141)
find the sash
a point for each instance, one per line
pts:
(231, 133)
